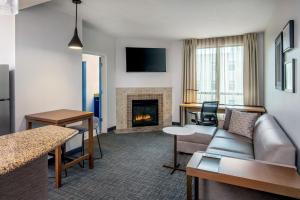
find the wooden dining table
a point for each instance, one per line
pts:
(62, 118)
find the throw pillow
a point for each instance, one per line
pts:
(242, 123)
(228, 113)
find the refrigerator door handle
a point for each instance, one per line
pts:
(4, 99)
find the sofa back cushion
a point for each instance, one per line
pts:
(242, 123)
(228, 113)
(271, 144)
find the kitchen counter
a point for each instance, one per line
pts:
(21, 148)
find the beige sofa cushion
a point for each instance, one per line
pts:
(242, 123)
(190, 147)
(202, 135)
(271, 144)
(228, 113)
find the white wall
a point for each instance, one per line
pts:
(171, 78)
(176, 63)
(99, 43)
(48, 74)
(92, 79)
(7, 40)
(284, 106)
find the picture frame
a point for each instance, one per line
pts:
(279, 62)
(289, 78)
(288, 36)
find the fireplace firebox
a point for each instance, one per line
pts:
(144, 113)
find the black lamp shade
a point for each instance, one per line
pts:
(75, 43)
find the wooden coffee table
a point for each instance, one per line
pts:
(176, 131)
(253, 174)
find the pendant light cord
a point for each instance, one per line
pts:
(76, 16)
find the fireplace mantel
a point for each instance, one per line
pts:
(124, 107)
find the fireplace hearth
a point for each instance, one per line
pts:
(145, 113)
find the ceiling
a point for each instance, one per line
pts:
(174, 19)
(29, 3)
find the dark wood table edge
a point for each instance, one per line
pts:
(243, 182)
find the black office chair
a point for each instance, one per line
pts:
(208, 115)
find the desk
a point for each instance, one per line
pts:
(221, 109)
(62, 118)
(251, 174)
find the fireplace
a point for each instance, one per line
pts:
(144, 113)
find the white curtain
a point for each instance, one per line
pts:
(190, 72)
(220, 70)
(251, 80)
(223, 69)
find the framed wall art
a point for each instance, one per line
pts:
(288, 36)
(279, 62)
(289, 76)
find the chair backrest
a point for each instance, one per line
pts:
(95, 123)
(209, 111)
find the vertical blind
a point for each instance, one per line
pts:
(220, 74)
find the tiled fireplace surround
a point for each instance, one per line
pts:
(124, 107)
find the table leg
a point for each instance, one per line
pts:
(175, 165)
(180, 116)
(28, 125)
(58, 166)
(196, 186)
(91, 143)
(185, 117)
(189, 189)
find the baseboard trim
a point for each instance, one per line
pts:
(111, 129)
(176, 123)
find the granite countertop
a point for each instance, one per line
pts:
(20, 148)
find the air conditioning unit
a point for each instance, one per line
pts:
(9, 7)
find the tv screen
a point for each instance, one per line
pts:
(145, 59)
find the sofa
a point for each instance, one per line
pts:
(269, 144)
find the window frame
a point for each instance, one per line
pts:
(218, 67)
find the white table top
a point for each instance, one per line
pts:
(176, 130)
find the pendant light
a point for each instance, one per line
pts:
(9, 7)
(75, 43)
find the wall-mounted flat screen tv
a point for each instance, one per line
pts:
(145, 59)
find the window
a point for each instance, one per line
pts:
(231, 85)
(220, 74)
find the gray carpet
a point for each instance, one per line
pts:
(130, 169)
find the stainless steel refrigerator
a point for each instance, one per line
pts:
(5, 125)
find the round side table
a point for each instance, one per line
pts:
(176, 131)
